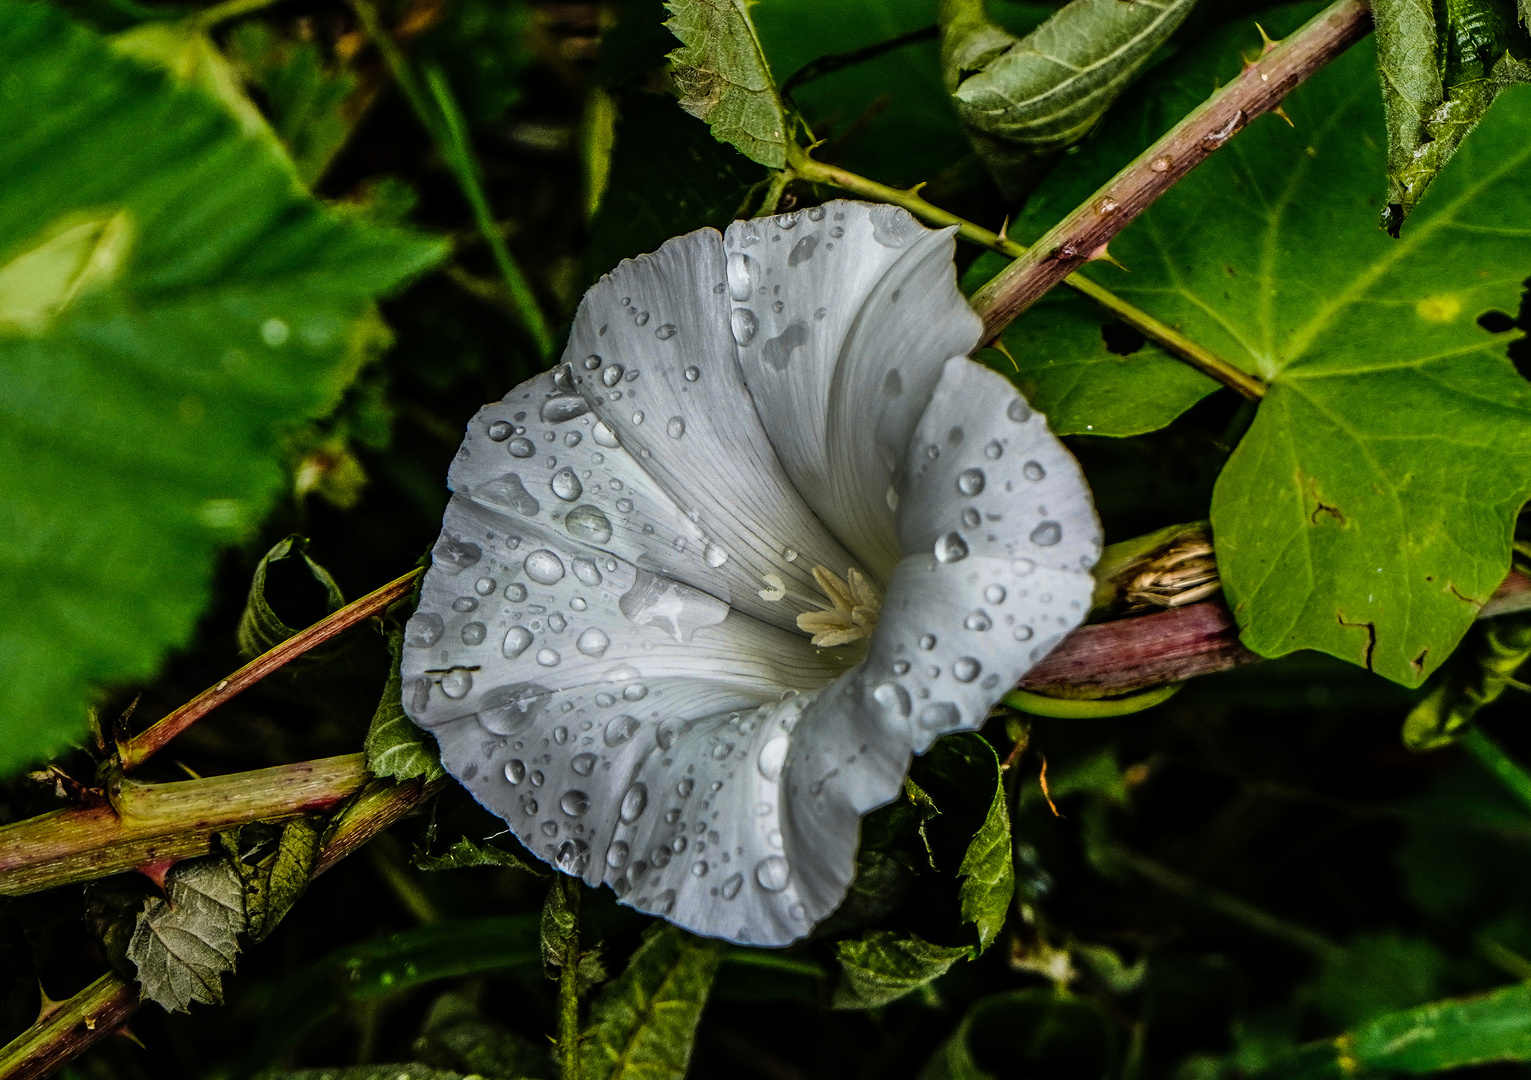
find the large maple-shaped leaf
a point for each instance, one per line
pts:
(171, 303)
(1367, 513)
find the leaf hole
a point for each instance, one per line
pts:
(1121, 339)
(1496, 322)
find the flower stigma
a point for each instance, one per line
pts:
(851, 613)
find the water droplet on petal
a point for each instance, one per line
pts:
(616, 855)
(1033, 471)
(583, 764)
(556, 623)
(423, 630)
(741, 272)
(473, 633)
(893, 697)
(676, 427)
(611, 376)
(593, 642)
(528, 804)
(621, 729)
(927, 641)
(1047, 534)
(573, 857)
(693, 374)
(641, 319)
(515, 592)
(772, 756)
(1023, 633)
(566, 485)
(638, 417)
(574, 803)
(555, 410)
(743, 323)
(965, 669)
(635, 692)
(1019, 411)
(978, 620)
(773, 873)
(940, 714)
(995, 594)
(970, 481)
(546, 568)
(548, 657)
(732, 886)
(603, 435)
(590, 524)
(465, 604)
(515, 770)
(634, 803)
(517, 638)
(951, 548)
(713, 555)
(501, 430)
(456, 683)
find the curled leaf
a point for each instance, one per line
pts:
(183, 947)
(1020, 97)
(723, 77)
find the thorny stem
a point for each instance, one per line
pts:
(568, 984)
(135, 751)
(444, 123)
(1084, 233)
(106, 1004)
(801, 166)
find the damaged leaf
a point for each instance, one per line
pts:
(184, 946)
(723, 77)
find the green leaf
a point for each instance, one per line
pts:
(170, 306)
(464, 853)
(882, 966)
(444, 950)
(1032, 1032)
(1441, 70)
(1479, 671)
(274, 864)
(260, 628)
(1367, 511)
(559, 928)
(365, 1072)
(1446, 1034)
(456, 1036)
(1377, 973)
(724, 79)
(987, 872)
(397, 748)
(1021, 97)
(643, 1023)
(1062, 356)
(184, 946)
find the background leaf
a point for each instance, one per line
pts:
(724, 79)
(184, 946)
(148, 392)
(882, 966)
(643, 1022)
(1043, 92)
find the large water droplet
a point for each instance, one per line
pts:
(978, 620)
(588, 523)
(693, 374)
(676, 427)
(573, 857)
(970, 481)
(473, 633)
(965, 669)
(634, 692)
(745, 326)
(592, 362)
(548, 657)
(583, 764)
(517, 638)
(585, 569)
(515, 770)
(665, 332)
(484, 586)
(501, 430)
(773, 755)
(521, 448)
(456, 683)
(621, 729)
(634, 803)
(773, 873)
(546, 568)
(566, 485)
(641, 319)
(555, 410)
(894, 698)
(940, 714)
(732, 886)
(593, 642)
(454, 555)
(610, 377)
(741, 273)
(951, 548)
(616, 855)
(574, 803)
(603, 435)
(556, 622)
(995, 594)
(465, 604)
(1033, 470)
(1047, 534)
(515, 592)
(713, 555)
(423, 630)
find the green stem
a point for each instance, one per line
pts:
(568, 984)
(1089, 708)
(777, 184)
(1486, 752)
(444, 123)
(1172, 341)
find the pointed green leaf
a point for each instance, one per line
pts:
(987, 872)
(398, 748)
(184, 946)
(724, 79)
(260, 628)
(171, 305)
(881, 967)
(1021, 97)
(643, 1023)
(1367, 512)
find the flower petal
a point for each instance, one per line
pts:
(843, 315)
(652, 354)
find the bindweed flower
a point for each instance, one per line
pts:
(703, 589)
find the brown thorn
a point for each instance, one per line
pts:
(1042, 779)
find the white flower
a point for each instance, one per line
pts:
(751, 439)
